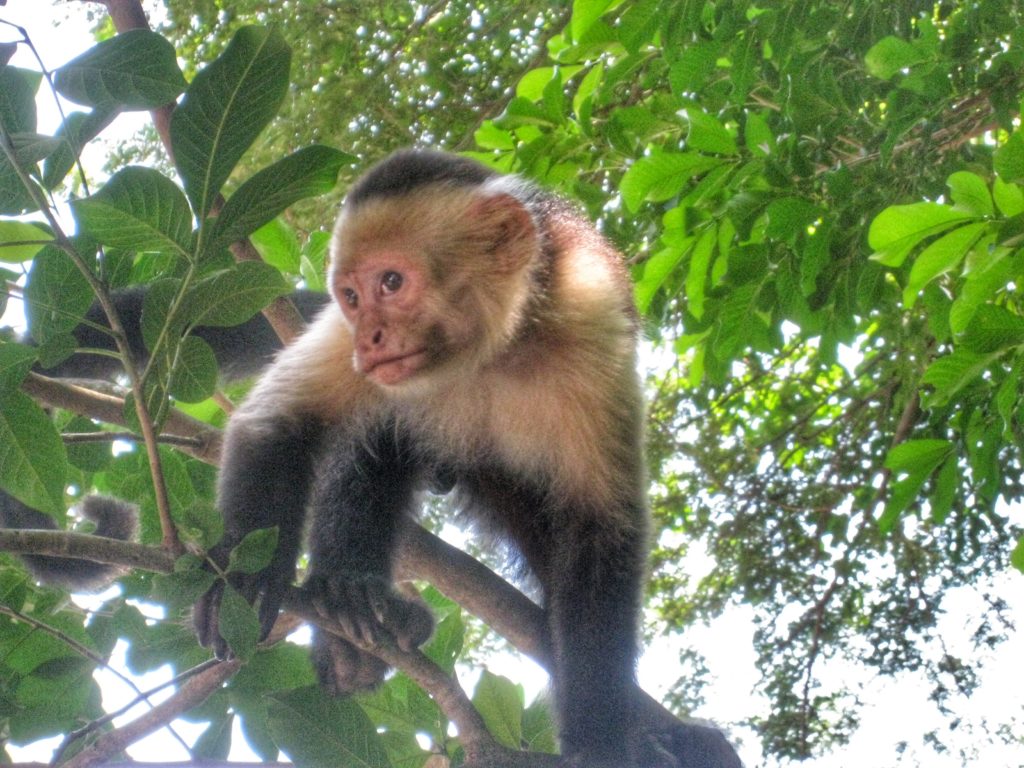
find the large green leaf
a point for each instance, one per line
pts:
(20, 241)
(661, 176)
(254, 552)
(318, 731)
(892, 54)
(500, 703)
(18, 99)
(136, 69)
(225, 108)
(57, 295)
(239, 625)
(33, 463)
(309, 172)
(951, 373)
(992, 329)
(139, 209)
(194, 377)
(15, 362)
(899, 228)
(942, 255)
(915, 460)
(76, 131)
(232, 296)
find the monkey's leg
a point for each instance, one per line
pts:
(362, 495)
(593, 589)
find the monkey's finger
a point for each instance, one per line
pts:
(204, 615)
(270, 608)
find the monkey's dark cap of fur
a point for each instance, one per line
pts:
(409, 169)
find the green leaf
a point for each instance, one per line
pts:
(199, 522)
(307, 173)
(697, 274)
(182, 589)
(15, 362)
(539, 734)
(89, 456)
(942, 255)
(232, 296)
(1009, 197)
(254, 552)
(136, 69)
(75, 132)
(15, 198)
(29, 148)
(279, 246)
(656, 271)
(194, 377)
(239, 625)
(983, 282)
(788, 217)
(970, 193)
(225, 108)
(1009, 159)
(319, 731)
(33, 462)
(139, 209)
(1017, 556)
(500, 703)
(585, 14)
(215, 742)
(18, 89)
(16, 241)
(896, 230)
(922, 455)
(949, 374)
(993, 329)
(662, 175)
(891, 54)
(707, 134)
(57, 295)
(944, 495)
(917, 460)
(156, 306)
(447, 641)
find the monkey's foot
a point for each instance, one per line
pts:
(342, 668)
(365, 606)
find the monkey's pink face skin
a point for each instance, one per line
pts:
(382, 296)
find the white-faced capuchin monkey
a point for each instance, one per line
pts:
(482, 332)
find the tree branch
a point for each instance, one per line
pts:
(110, 409)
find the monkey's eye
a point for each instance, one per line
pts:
(350, 297)
(391, 282)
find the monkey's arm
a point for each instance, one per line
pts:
(270, 455)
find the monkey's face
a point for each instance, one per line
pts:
(432, 283)
(384, 296)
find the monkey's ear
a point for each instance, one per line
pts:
(509, 228)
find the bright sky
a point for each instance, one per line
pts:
(896, 710)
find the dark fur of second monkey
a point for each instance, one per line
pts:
(315, 434)
(241, 351)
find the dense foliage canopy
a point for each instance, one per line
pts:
(822, 203)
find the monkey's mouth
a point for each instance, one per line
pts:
(393, 369)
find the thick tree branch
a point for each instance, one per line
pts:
(110, 409)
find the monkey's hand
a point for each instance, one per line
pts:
(368, 608)
(265, 590)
